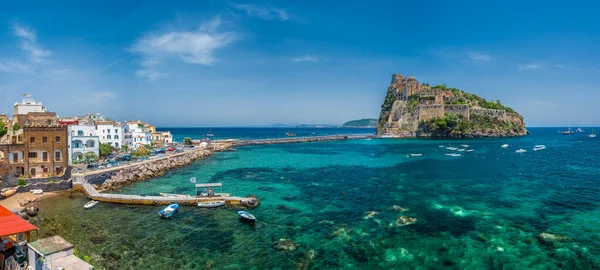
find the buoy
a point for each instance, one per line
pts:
(373, 178)
(343, 193)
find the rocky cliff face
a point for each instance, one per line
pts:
(413, 109)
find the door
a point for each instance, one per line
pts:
(45, 156)
(32, 172)
(15, 157)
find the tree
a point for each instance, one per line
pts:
(3, 129)
(141, 151)
(90, 157)
(106, 149)
(124, 148)
(16, 127)
(187, 140)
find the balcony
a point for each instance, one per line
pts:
(16, 161)
(39, 160)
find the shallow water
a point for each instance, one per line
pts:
(484, 210)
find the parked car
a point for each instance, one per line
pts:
(171, 149)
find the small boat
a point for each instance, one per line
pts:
(8, 193)
(593, 135)
(90, 204)
(209, 134)
(539, 147)
(464, 145)
(461, 150)
(504, 146)
(521, 151)
(290, 134)
(169, 210)
(453, 155)
(37, 191)
(451, 148)
(440, 146)
(469, 151)
(579, 130)
(416, 155)
(231, 149)
(245, 216)
(211, 204)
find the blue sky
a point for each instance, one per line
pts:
(235, 63)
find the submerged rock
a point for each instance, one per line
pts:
(326, 221)
(548, 238)
(370, 214)
(285, 244)
(395, 254)
(287, 208)
(405, 220)
(342, 233)
(399, 208)
(311, 254)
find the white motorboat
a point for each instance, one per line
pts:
(464, 145)
(416, 155)
(440, 146)
(90, 204)
(469, 151)
(539, 147)
(504, 146)
(451, 148)
(521, 151)
(37, 191)
(453, 155)
(211, 204)
(461, 150)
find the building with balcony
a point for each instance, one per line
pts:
(110, 133)
(162, 138)
(140, 134)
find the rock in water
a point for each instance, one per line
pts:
(370, 214)
(405, 220)
(285, 244)
(548, 238)
(32, 210)
(399, 208)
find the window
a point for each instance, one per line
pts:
(80, 133)
(116, 131)
(32, 140)
(32, 154)
(57, 139)
(103, 131)
(108, 131)
(57, 156)
(44, 139)
(27, 122)
(116, 137)
(117, 145)
(134, 140)
(108, 137)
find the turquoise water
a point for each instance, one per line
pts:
(483, 210)
(249, 133)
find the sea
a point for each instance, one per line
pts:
(336, 205)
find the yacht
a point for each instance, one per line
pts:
(209, 134)
(579, 130)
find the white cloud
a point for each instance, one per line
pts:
(529, 66)
(305, 58)
(15, 67)
(263, 12)
(479, 56)
(566, 67)
(193, 47)
(29, 43)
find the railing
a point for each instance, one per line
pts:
(39, 160)
(16, 161)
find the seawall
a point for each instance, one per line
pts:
(297, 140)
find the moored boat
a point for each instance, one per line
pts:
(451, 148)
(521, 151)
(37, 191)
(416, 155)
(8, 193)
(169, 210)
(211, 204)
(90, 204)
(461, 150)
(453, 155)
(469, 151)
(504, 146)
(539, 147)
(245, 216)
(464, 145)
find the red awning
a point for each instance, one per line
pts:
(11, 224)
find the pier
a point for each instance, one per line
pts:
(298, 139)
(88, 189)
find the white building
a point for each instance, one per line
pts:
(110, 133)
(82, 140)
(140, 134)
(28, 105)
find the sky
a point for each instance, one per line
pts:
(243, 63)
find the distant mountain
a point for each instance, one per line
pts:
(316, 126)
(368, 122)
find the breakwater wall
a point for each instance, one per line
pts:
(298, 139)
(120, 176)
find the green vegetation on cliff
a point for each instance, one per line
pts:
(386, 107)
(452, 124)
(368, 122)
(463, 97)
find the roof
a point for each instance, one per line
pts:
(50, 245)
(11, 224)
(209, 185)
(71, 262)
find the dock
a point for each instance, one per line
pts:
(88, 189)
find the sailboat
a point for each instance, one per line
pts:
(568, 132)
(290, 134)
(593, 134)
(210, 133)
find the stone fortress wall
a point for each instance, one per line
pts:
(500, 114)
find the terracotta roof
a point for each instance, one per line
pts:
(11, 224)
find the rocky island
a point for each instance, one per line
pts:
(413, 109)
